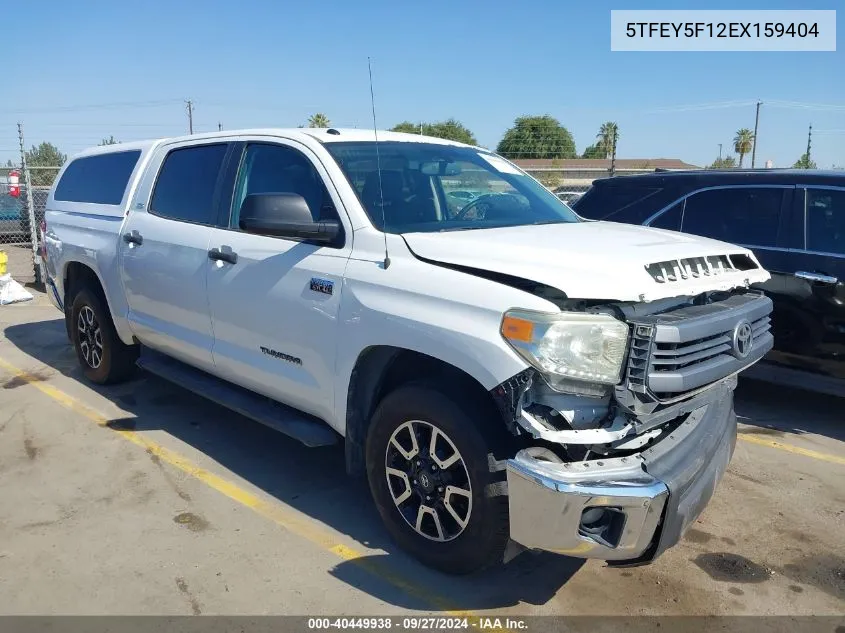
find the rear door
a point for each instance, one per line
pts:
(164, 250)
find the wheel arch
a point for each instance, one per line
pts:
(380, 369)
(78, 274)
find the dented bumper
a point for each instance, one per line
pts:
(626, 509)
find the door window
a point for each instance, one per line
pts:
(269, 168)
(826, 221)
(187, 182)
(670, 219)
(99, 179)
(742, 215)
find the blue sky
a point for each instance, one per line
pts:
(264, 63)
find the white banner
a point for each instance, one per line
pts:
(746, 30)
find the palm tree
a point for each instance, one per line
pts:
(743, 142)
(607, 138)
(318, 120)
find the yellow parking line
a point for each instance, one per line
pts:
(291, 520)
(806, 452)
(279, 514)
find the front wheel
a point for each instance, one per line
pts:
(429, 466)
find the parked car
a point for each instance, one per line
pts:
(569, 196)
(463, 196)
(487, 372)
(10, 219)
(793, 220)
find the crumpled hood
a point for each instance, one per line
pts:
(597, 260)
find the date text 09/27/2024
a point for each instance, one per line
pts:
(421, 623)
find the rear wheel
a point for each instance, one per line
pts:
(429, 469)
(103, 356)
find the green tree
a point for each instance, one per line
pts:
(595, 151)
(608, 137)
(409, 128)
(44, 155)
(805, 163)
(728, 162)
(537, 137)
(109, 141)
(449, 129)
(318, 120)
(743, 142)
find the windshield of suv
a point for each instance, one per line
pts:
(426, 187)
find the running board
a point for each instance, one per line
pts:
(300, 426)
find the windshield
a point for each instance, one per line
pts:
(427, 187)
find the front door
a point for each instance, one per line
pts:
(274, 302)
(164, 252)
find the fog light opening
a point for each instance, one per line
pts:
(602, 525)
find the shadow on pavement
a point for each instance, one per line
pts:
(311, 480)
(776, 410)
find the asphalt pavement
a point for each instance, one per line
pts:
(145, 499)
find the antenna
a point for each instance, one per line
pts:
(378, 166)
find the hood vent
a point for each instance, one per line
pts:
(675, 270)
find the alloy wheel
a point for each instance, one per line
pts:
(90, 337)
(428, 480)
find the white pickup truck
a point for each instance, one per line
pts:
(503, 371)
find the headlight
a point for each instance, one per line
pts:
(569, 345)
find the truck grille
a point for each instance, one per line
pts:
(683, 350)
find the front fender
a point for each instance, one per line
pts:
(449, 315)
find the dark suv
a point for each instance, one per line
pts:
(793, 220)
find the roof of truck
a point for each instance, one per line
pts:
(119, 147)
(322, 135)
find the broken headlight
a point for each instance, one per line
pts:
(568, 346)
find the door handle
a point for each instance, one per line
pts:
(219, 255)
(133, 237)
(817, 277)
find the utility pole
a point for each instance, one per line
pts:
(190, 107)
(720, 151)
(809, 139)
(754, 146)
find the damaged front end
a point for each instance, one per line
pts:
(619, 471)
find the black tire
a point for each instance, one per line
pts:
(482, 541)
(116, 359)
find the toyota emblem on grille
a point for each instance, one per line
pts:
(743, 339)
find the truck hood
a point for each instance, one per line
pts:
(596, 260)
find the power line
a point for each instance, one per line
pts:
(806, 106)
(98, 106)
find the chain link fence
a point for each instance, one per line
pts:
(22, 205)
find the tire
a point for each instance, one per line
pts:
(104, 358)
(462, 549)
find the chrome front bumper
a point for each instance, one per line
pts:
(624, 509)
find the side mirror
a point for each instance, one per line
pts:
(284, 215)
